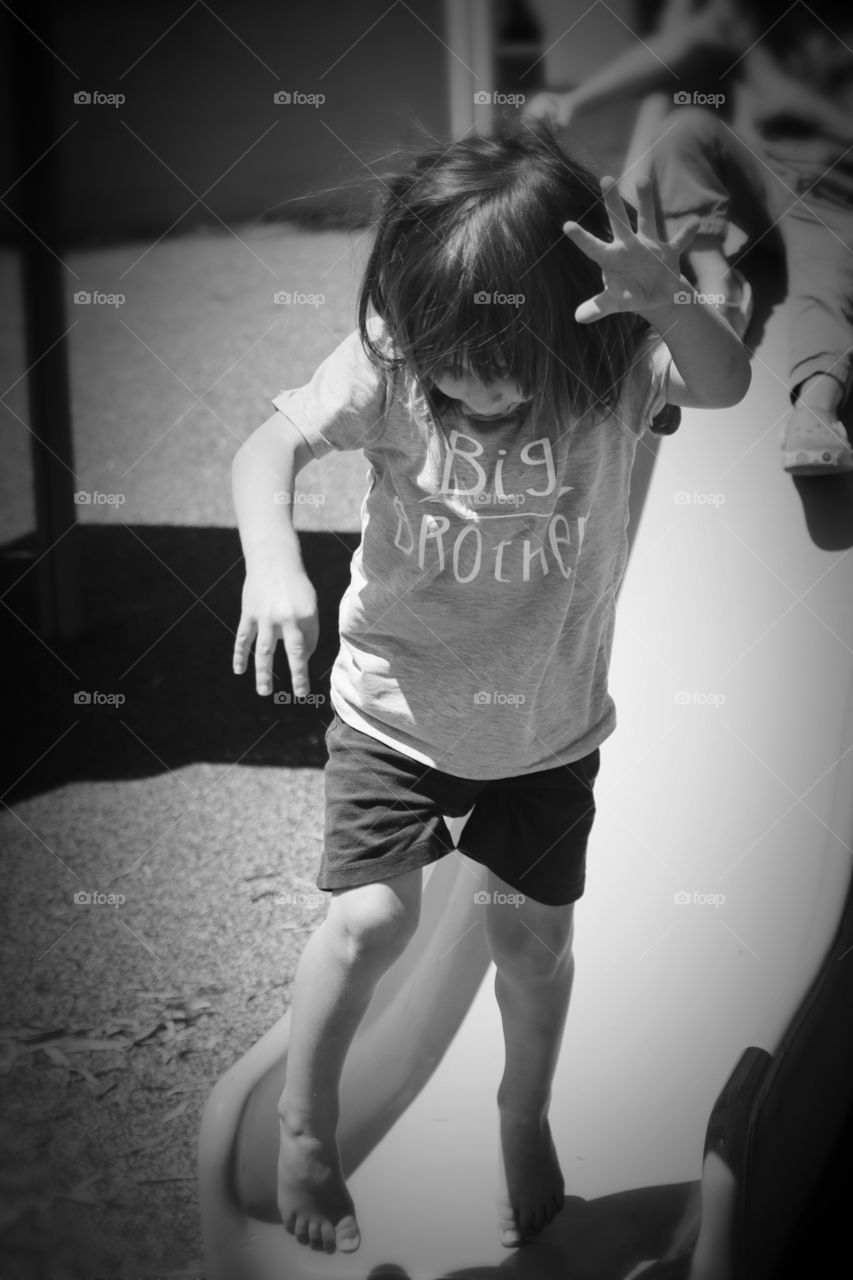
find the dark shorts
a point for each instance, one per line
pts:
(385, 816)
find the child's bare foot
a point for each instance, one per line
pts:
(313, 1200)
(530, 1181)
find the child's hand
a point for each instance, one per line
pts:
(641, 272)
(556, 109)
(277, 602)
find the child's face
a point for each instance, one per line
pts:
(484, 402)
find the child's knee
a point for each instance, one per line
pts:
(534, 944)
(374, 921)
(685, 129)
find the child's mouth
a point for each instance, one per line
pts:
(489, 417)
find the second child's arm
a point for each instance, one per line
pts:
(685, 46)
(641, 273)
(279, 601)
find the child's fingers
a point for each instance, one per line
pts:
(594, 308)
(298, 652)
(615, 206)
(647, 222)
(588, 244)
(246, 632)
(264, 650)
(543, 107)
(685, 236)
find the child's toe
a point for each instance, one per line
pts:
(510, 1237)
(509, 1230)
(347, 1234)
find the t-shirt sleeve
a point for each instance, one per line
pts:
(345, 404)
(645, 407)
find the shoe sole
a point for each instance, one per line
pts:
(817, 462)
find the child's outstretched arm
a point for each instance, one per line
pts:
(278, 598)
(641, 273)
(684, 47)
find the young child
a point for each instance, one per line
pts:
(500, 425)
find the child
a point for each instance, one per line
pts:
(787, 165)
(500, 426)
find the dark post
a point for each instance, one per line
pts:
(520, 47)
(37, 200)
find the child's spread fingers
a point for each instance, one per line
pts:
(588, 244)
(615, 206)
(243, 644)
(264, 649)
(594, 308)
(646, 212)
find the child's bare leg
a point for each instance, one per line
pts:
(366, 929)
(822, 392)
(710, 267)
(531, 947)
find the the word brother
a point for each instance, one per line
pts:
(478, 548)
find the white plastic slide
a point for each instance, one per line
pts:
(710, 1015)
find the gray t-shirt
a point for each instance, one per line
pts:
(477, 628)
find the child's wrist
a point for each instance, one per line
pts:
(276, 546)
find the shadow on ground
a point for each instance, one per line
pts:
(161, 606)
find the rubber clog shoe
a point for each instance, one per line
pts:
(814, 445)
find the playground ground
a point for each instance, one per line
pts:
(190, 813)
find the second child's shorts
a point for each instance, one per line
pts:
(385, 816)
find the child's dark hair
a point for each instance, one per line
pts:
(482, 218)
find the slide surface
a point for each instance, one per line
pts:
(718, 870)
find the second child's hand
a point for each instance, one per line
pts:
(640, 271)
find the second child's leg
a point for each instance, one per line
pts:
(819, 242)
(531, 947)
(365, 930)
(702, 169)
